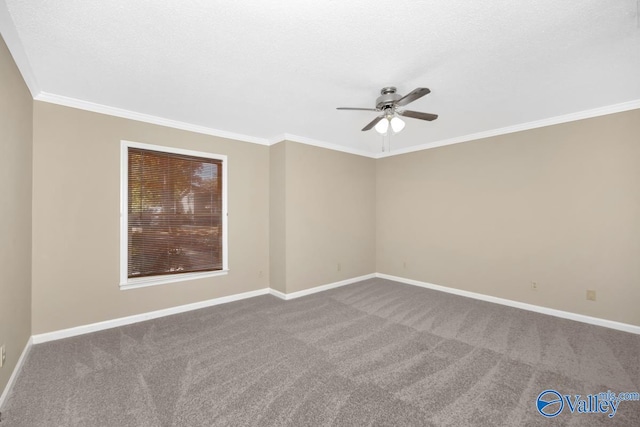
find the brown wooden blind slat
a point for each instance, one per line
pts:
(174, 213)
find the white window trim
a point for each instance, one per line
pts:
(126, 282)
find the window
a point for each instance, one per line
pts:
(173, 215)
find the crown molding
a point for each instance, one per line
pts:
(147, 118)
(127, 114)
(317, 143)
(12, 40)
(328, 145)
(572, 117)
(276, 139)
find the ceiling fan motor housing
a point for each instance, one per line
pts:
(387, 98)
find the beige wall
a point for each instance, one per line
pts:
(76, 199)
(277, 217)
(330, 216)
(558, 205)
(15, 212)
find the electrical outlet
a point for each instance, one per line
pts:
(3, 355)
(339, 267)
(260, 273)
(534, 286)
(591, 295)
(404, 264)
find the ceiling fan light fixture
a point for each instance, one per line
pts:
(397, 124)
(382, 126)
(391, 105)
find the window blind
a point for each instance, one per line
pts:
(174, 213)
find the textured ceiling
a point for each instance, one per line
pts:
(268, 68)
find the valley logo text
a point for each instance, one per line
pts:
(550, 403)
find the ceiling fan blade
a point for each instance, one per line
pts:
(356, 109)
(412, 96)
(418, 115)
(373, 123)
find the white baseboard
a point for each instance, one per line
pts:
(16, 371)
(122, 321)
(108, 324)
(85, 329)
(321, 288)
(278, 294)
(524, 306)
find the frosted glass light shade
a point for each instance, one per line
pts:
(397, 124)
(382, 126)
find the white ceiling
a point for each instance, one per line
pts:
(266, 69)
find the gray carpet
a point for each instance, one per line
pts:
(372, 353)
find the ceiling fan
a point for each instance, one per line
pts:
(389, 103)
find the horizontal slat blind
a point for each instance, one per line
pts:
(174, 213)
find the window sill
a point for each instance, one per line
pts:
(143, 282)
